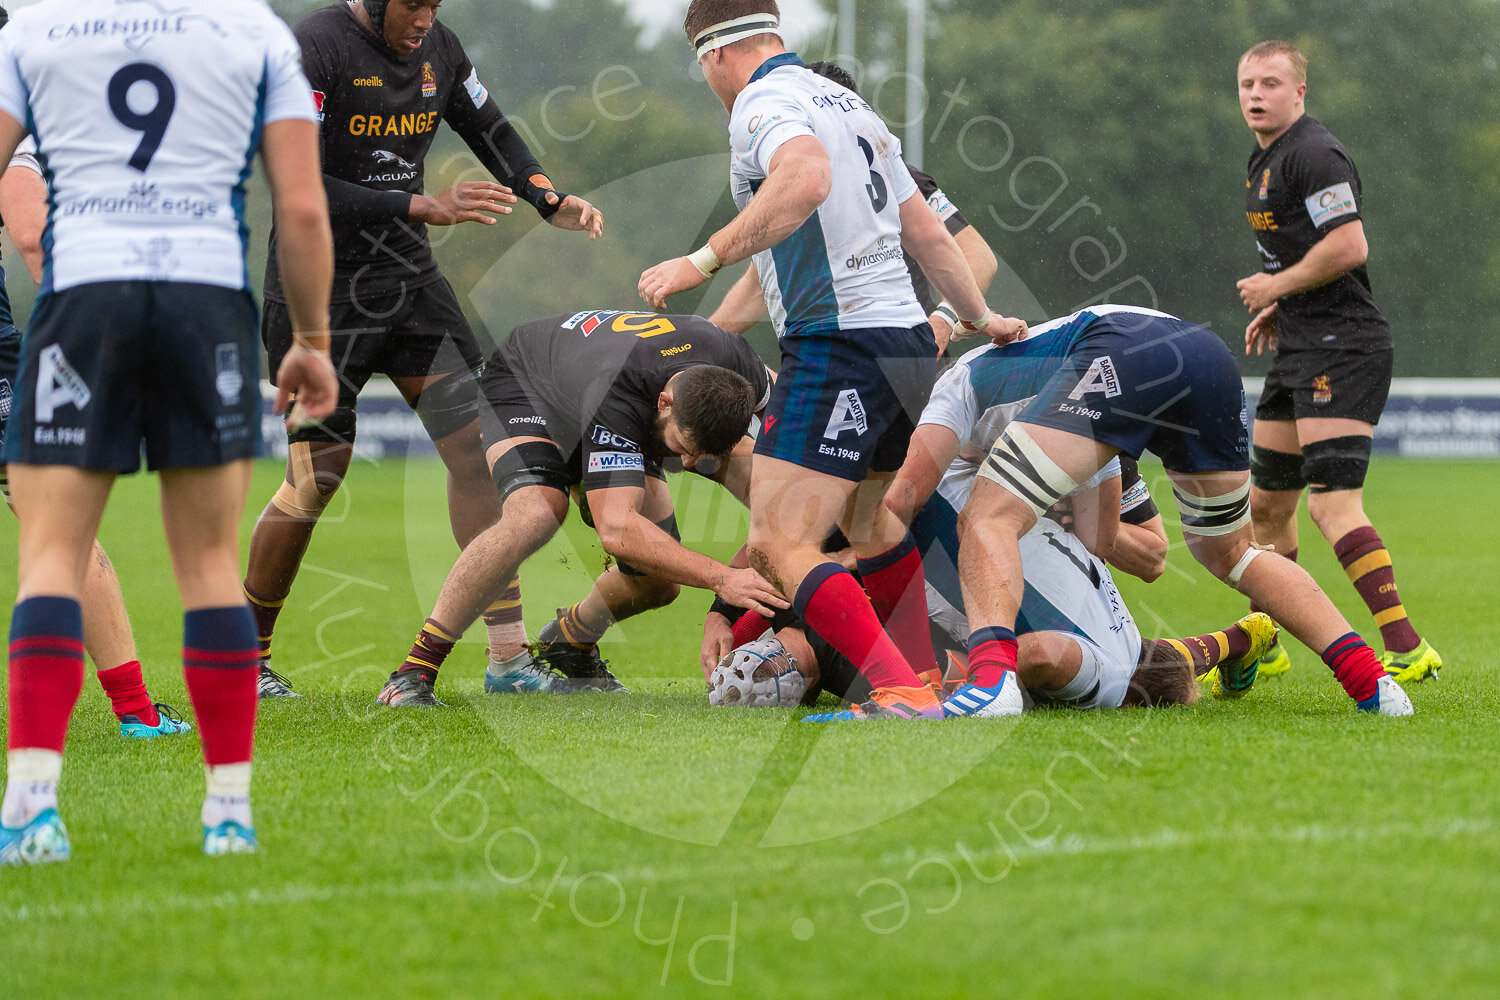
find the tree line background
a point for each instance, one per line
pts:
(1096, 144)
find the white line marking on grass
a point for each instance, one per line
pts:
(1070, 845)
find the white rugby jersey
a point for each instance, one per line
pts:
(146, 117)
(844, 268)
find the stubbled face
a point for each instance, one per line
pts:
(407, 23)
(675, 442)
(1270, 96)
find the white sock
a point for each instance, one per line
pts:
(499, 667)
(228, 795)
(30, 786)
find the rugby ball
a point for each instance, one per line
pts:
(759, 674)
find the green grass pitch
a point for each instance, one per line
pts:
(1280, 846)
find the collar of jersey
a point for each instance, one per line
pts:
(776, 62)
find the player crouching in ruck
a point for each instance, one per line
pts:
(601, 400)
(1121, 380)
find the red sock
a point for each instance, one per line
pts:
(220, 660)
(749, 627)
(1290, 554)
(46, 671)
(1367, 563)
(127, 693)
(898, 592)
(835, 606)
(1355, 665)
(992, 651)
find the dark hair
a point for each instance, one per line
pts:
(838, 74)
(704, 14)
(713, 405)
(4, 16)
(1164, 677)
(376, 10)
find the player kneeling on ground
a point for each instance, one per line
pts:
(601, 400)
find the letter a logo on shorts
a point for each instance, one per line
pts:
(57, 384)
(227, 378)
(1101, 377)
(848, 414)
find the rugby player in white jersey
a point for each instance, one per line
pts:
(828, 211)
(143, 339)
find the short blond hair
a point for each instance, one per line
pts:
(1273, 47)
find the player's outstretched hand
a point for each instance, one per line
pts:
(1262, 331)
(745, 588)
(718, 640)
(467, 201)
(577, 215)
(667, 279)
(307, 374)
(1001, 330)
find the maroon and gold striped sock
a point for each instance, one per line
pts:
(1368, 565)
(575, 630)
(432, 647)
(1205, 652)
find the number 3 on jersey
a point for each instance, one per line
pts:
(879, 194)
(152, 124)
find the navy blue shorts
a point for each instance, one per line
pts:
(1140, 382)
(10, 358)
(114, 367)
(846, 401)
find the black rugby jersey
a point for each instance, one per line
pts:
(380, 111)
(596, 376)
(952, 218)
(1301, 188)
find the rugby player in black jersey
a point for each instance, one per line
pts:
(385, 73)
(595, 404)
(1312, 305)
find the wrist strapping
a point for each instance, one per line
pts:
(705, 260)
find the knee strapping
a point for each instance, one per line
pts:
(1019, 465)
(301, 498)
(1214, 516)
(449, 405)
(1276, 471)
(1234, 576)
(531, 463)
(1339, 463)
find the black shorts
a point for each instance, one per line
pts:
(507, 409)
(1351, 385)
(420, 331)
(110, 367)
(846, 401)
(1140, 382)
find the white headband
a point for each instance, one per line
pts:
(737, 30)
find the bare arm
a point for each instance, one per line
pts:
(305, 256)
(629, 535)
(1332, 257)
(743, 307)
(23, 205)
(932, 449)
(1096, 517)
(983, 265)
(797, 182)
(944, 263)
(1141, 549)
